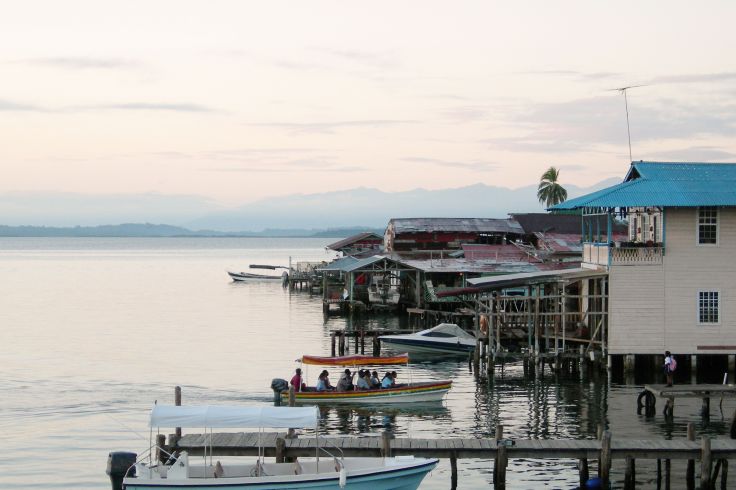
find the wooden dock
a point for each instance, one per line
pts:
(705, 392)
(279, 445)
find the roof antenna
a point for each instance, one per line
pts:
(626, 103)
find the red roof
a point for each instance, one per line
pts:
(499, 253)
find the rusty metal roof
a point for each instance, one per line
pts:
(468, 225)
(352, 239)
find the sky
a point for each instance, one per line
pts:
(235, 101)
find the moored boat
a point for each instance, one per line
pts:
(331, 473)
(445, 338)
(274, 275)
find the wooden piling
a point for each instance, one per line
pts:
(584, 472)
(605, 459)
(724, 474)
(630, 475)
(386, 444)
(497, 460)
(161, 455)
(502, 461)
(280, 450)
(177, 402)
(376, 345)
(332, 344)
(341, 344)
(659, 473)
(705, 465)
(453, 471)
(690, 472)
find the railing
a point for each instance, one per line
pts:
(598, 254)
(637, 255)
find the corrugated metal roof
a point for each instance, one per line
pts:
(472, 225)
(667, 185)
(352, 239)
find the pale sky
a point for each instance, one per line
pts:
(237, 101)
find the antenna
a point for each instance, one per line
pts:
(626, 104)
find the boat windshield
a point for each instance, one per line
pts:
(447, 330)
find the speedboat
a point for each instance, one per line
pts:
(329, 472)
(412, 392)
(445, 338)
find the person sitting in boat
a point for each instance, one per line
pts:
(386, 382)
(323, 383)
(393, 379)
(297, 382)
(345, 383)
(374, 381)
(363, 382)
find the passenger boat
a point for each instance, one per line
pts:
(333, 472)
(445, 338)
(412, 392)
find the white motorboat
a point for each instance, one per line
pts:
(269, 273)
(445, 338)
(325, 473)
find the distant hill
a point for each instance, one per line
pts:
(341, 212)
(152, 230)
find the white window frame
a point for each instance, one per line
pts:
(697, 307)
(697, 227)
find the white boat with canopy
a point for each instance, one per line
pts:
(332, 472)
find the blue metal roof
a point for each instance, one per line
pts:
(665, 184)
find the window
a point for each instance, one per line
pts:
(708, 225)
(708, 307)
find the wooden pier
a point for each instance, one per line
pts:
(279, 445)
(705, 392)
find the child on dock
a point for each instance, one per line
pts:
(669, 366)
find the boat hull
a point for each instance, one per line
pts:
(422, 346)
(247, 277)
(414, 393)
(385, 478)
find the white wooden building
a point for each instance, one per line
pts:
(672, 285)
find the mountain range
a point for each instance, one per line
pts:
(354, 208)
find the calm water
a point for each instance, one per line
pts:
(93, 331)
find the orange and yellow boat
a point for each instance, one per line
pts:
(427, 391)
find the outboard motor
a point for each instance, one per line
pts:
(118, 463)
(278, 385)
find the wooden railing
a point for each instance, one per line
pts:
(598, 254)
(637, 255)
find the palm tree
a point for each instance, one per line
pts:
(549, 191)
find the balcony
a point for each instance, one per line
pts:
(598, 254)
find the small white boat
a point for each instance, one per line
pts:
(445, 338)
(330, 473)
(270, 273)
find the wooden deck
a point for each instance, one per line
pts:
(692, 391)
(246, 444)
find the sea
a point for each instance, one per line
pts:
(95, 331)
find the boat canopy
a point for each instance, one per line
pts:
(356, 360)
(447, 330)
(219, 416)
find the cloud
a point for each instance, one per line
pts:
(695, 78)
(331, 127)
(9, 105)
(82, 63)
(290, 166)
(144, 106)
(694, 153)
(367, 58)
(472, 165)
(467, 113)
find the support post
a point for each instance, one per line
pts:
(690, 472)
(605, 459)
(332, 344)
(453, 471)
(161, 456)
(705, 465)
(584, 471)
(630, 475)
(177, 402)
(280, 450)
(724, 474)
(386, 444)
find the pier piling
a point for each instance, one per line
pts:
(690, 472)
